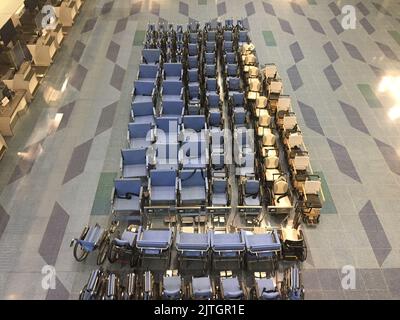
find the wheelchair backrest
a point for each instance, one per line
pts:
(142, 109)
(194, 90)
(230, 57)
(210, 57)
(147, 71)
(238, 98)
(133, 156)
(193, 75)
(167, 152)
(167, 124)
(289, 122)
(210, 70)
(231, 69)
(213, 100)
(172, 107)
(127, 186)
(280, 186)
(139, 130)
(151, 55)
(217, 159)
(312, 186)
(268, 138)
(211, 84)
(271, 162)
(276, 86)
(239, 116)
(270, 71)
(302, 163)
(163, 178)
(264, 118)
(144, 88)
(295, 140)
(283, 103)
(243, 37)
(219, 185)
(172, 87)
(194, 149)
(254, 85)
(173, 69)
(261, 102)
(234, 83)
(252, 186)
(192, 178)
(195, 122)
(214, 118)
(193, 49)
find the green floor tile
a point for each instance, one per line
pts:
(139, 37)
(395, 35)
(329, 205)
(102, 204)
(202, 2)
(312, 2)
(269, 38)
(369, 95)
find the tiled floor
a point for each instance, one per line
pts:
(52, 181)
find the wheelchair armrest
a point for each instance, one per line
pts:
(113, 194)
(140, 194)
(180, 156)
(128, 137)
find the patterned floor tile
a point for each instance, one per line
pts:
(369, 96)
(269, 38)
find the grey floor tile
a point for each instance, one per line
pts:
(329, 279)
(392, 277)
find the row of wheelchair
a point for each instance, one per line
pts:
(107, 285)
(276, 122)
(195, 246)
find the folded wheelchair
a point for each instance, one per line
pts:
(93, 238)
(124, 244)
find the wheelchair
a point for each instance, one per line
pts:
(292, 286)
(112, 288)
(92, 238)
(172, 287)
(146, 286)
(294, 245)
(124, 245)
(230, 287)
(265, 287)
(91, 290)
(130, 289)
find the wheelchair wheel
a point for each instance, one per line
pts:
(103, 249)
(81, 294)
(253, 294)
(79, 253)
(112, 254)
